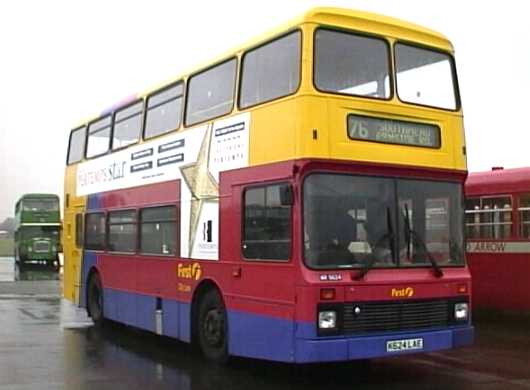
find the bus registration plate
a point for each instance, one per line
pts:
(404, 345)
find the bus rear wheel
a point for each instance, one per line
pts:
(95, 300)
(212, 327)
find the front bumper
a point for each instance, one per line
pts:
(366, 347)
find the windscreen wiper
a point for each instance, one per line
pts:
(389, 235)
(409, 234)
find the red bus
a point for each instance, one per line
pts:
(498, 238)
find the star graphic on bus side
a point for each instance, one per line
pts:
(202, 185)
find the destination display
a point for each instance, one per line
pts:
(393, 132)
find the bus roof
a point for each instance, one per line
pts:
(498, 181)
(369, 21)
(38, 196)
(338, 17)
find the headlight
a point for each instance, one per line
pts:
(30, 249)
(461, 311)
(327, 319)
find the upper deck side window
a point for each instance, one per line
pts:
(271, 71)
(127, 125)
(351, 64)
(164, 110)
(425, 77)
(211, 93)
(98, 141)
(76, 148)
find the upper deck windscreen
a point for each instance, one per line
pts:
(40, 204)
(351, 64)
(359, 65)
(425, 77)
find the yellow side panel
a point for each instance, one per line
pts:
(273, 132)
(72, 254)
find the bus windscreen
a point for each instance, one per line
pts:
(351, 221)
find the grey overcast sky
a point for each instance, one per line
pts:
(62, 61)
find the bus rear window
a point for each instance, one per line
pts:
(351, 64)
(425, 77)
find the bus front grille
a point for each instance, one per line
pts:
(367, 317)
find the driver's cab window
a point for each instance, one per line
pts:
(267, 222)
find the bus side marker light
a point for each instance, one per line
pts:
(236, 272)
(461, 289)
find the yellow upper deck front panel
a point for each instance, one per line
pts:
(313, 124)
(316, 127)
(328, 116)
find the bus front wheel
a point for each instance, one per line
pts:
(95, 300)
(212, 327)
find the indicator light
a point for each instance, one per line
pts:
(327, 294)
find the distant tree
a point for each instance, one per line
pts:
(8, 225)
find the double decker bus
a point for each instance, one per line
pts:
(37, 229)
(300, 199)
(498, 238)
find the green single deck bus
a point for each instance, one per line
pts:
(37, 229)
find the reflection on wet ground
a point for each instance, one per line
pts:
(48, 343)
(11, 271)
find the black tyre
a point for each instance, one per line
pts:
(212, 327)
(95, 300)
(19, 258)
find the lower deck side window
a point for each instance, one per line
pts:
(158, 233)
(489, 217)
(95, 231)
(122, 231)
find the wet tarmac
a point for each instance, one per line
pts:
(48, 343)
(10, 271)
